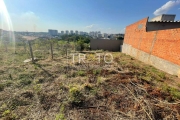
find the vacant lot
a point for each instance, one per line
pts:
(65, 89)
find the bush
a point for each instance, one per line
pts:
(96, 72)
(81, 73)
(76, 97)
(173, 91)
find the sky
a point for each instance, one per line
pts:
(107, 16)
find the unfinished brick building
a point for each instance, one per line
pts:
(155, 42)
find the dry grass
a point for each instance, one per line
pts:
(60, 89)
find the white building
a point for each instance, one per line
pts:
(71, 32)
(99, 35)
(112, 36)
(81, 33)
(62, 32)
(105, 35)
(76, 32)
(85, 33)
(96, 34)
(91, 33)
(67, 32)
(52, 32)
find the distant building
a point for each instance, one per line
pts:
(105, 35)
(52, 32)
(91, 33)
(71, 32)
(67, 32)
(62, 32)
(112, 36)
(81, 33)
(76, 32)
(85, 33)
(99, 35)
(95, 34)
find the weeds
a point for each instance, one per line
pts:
(178, 85)
(61, 115)
(1, 87)
(173, 91)
(25, 82)
(94, 91)
(37, 88)
(17, 102)
(88, 87)
(89, 93)
(97, 71)
(8, 115)
(76, 97)
(81, 73)
(40, 80)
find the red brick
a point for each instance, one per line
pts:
(166, 45)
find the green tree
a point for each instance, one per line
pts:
(120, 38)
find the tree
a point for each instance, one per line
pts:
(120, 38)
(86, 40)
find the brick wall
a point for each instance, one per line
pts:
(164, 44)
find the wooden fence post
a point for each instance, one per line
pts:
(51, 45)
(30, 48)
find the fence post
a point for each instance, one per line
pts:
(51, 50)
(30, 48)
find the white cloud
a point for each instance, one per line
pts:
(178, 8)
(90, 26)
(166, 7)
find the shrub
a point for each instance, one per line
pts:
(173, 91)
(81, 73)
(61, 115)
(96, 72)
(76, 97)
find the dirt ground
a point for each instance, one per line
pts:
(95, 90)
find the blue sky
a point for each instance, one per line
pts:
(110, 16)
